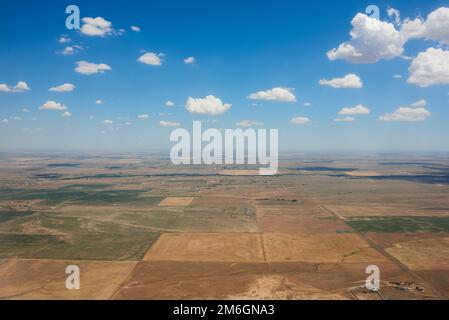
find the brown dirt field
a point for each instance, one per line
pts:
(386, 240)
(209, 280)
(439, 279)
(346, 278)
(176, 202)
(299, 210)
(244, 189)
(220, 202)
(239, 172)
(227, 281)
(189, 280)
(301, 225)
(224, 247)
(343, 248)
(280, 287)
(363, 173)
(45, 279)
(18, 205)
(423, 255)
(105, 212)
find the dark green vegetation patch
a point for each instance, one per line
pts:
(63, 165)
(10, 215)
(400, 224)
(86, 196)
(25, 245)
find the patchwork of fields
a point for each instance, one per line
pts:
(140, 228)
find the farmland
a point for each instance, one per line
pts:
(140, 228)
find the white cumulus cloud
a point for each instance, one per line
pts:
(345, 119)
(4, 88)
(419, 104)
(371, 41)
(350, 81)
(64, 39)
(169, 104)
(208, 105)
(67, 114)
(300, 120)
(430, 67)
(358, 109)
(98, 27)
(169, 124)
(53, 105)
(189, 60)
(88, 68)
(415, 112)
(21, 86)
(395, 15)
(407, 114)
(66, 87)
(275, 94)
(249, 123)
(435, 27)
(135, 28)
(69, 50)
(142, 116)
(151, 58)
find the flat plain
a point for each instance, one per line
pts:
(139, 227)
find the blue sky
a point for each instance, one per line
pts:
(240, 48)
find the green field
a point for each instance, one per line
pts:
(10, 215)
(73, 238)
(193, 219)
(86, 194)
(400, 224)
